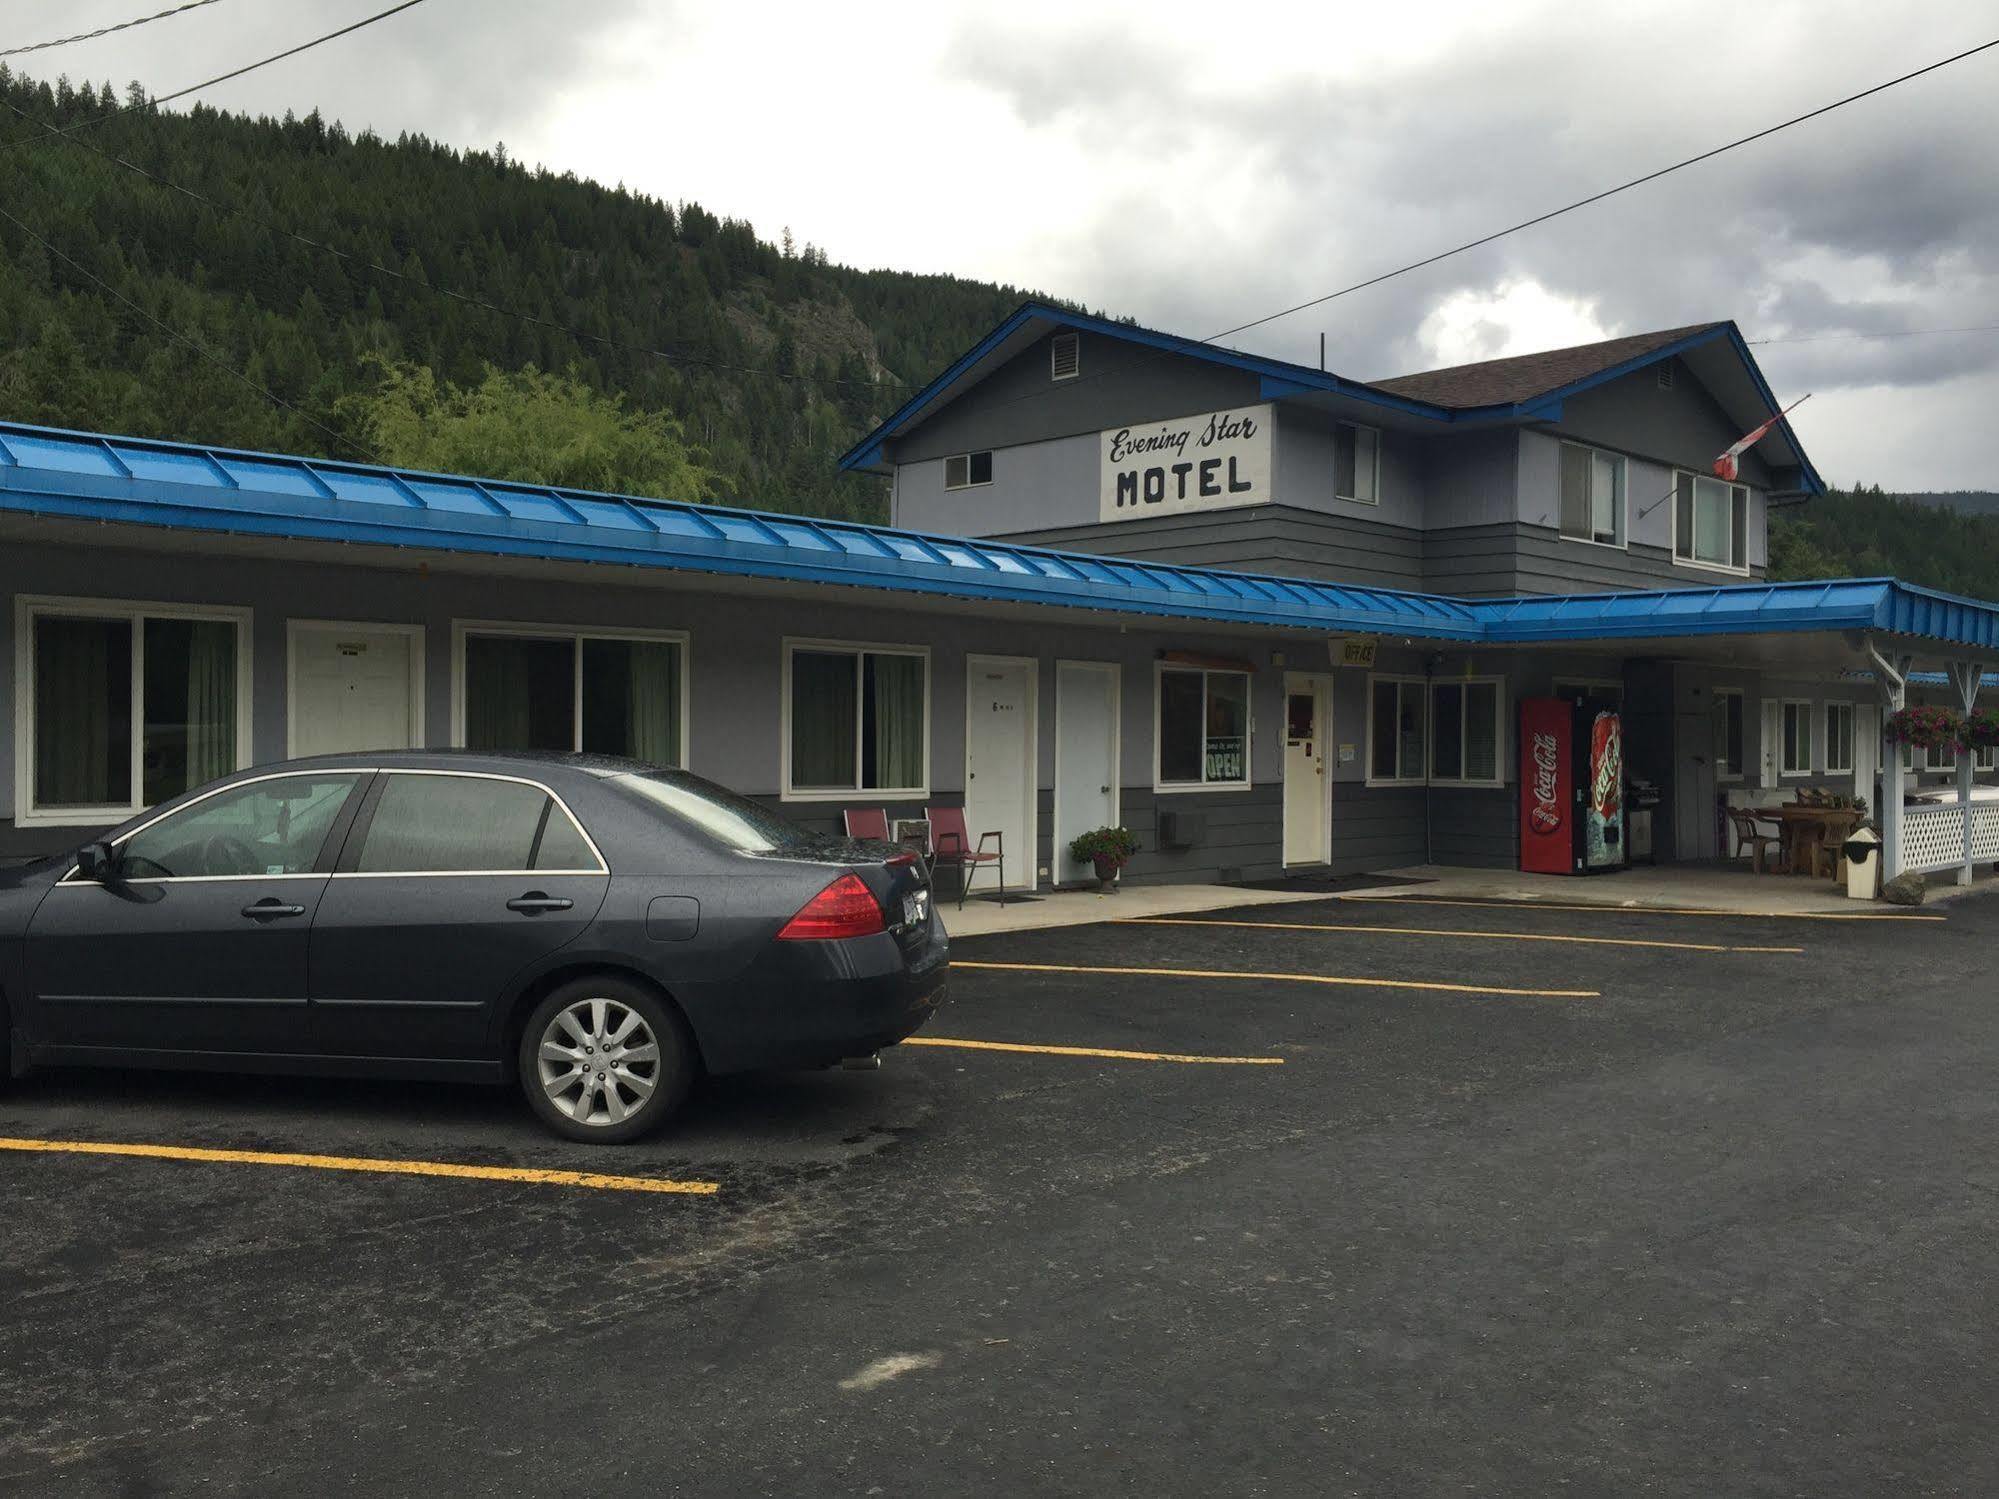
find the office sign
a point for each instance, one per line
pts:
(1353, 650)
(1215, 461)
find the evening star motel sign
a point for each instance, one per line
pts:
(1214, 461)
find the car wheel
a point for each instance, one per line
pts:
(605, 1060)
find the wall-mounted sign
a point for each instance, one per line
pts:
(1214, 461)
(1352, 650)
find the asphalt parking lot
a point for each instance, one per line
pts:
(1355, 1196)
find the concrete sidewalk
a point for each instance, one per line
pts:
(984, 918)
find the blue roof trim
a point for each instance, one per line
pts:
(91, 476)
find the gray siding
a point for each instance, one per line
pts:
(1243, 837)
(1477, 828)
(1683, 426)
(1510, 558)
(1377, 827)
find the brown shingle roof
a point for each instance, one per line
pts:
(1505, 382)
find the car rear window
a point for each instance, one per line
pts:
(732, 820)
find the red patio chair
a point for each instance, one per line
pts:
(867, 822)
(948, 845)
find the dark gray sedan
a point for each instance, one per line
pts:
(598, 929)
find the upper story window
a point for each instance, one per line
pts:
(1711, 523)
(1065, 356)
(1592, 495)
(968, 470)
(1357, 464)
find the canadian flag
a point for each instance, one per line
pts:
(1725, 465)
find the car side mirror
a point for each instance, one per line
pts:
(96, 861)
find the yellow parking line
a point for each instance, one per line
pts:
(592, 1179)
(1090, 1051)
(1286, 978)
(1535, 905)
(1424, 931)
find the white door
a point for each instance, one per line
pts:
(353, 688)
(1308, 807)
(999, 761)
(1086, 758)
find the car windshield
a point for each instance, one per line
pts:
(733, 820)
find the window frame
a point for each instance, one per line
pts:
(1461, 686)
(1738, 569)
(791, 645)
(970, 482)
(1832, 707)
(1177, 788)
(1738, 769)
(30, 607)
(1623, 542)
(1375, 433)
(1402, 681)
(1805, 717)
(463, 629)
(372, 796)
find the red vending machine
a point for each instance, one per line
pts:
(1571, 786)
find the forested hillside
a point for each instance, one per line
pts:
(378, 364)
(1864, 532)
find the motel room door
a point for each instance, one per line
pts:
(354, 687)
(1086, 758)
(1308, 801)
(1696, 738)
(1000, 793)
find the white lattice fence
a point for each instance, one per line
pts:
(1984, 832)
(1933, 838)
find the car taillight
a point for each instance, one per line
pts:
(845, 908)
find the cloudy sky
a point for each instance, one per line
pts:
(1197, 166)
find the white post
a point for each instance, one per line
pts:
(1965, 676)
(1891, 681)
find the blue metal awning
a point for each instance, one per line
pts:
(87, 476)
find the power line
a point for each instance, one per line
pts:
(1610, 192)
(91, 36)
(195, 88)
(667, 355)
(193, 343)
(1829, 338)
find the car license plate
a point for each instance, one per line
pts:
(916, 908)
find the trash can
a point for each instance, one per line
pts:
(1863, 864)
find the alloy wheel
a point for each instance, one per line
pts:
(599, 1062)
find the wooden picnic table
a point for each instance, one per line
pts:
(1806, 830)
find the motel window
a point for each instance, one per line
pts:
(1202, 732)
(1940, 757)
(1395, 734)
(1985, 757)
(968, 470)
(1592, 495)
(1464, 732)
(1728, 751)
(1357, 464)
(1795, 735)
(1839, 738)
(618, 693)
(856, 719)
(126, 705)
(1711, 523)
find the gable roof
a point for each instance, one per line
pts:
(1528, 387)
(1526, 377)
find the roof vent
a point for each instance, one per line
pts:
(1065, 359)
(1666, 375)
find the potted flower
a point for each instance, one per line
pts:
(1108, 849)
(1924, 728)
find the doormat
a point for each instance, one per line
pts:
(1330, 883)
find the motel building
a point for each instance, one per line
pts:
(1271, 619)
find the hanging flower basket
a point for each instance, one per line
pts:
(1925, 728)
(1981, 729)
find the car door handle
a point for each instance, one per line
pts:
(534, 901)
(270, 908)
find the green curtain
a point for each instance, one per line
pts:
(823, 702)
(211, 701)
(653, 685)
(83, 694)
(496, 692)
(897, 706)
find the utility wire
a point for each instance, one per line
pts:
(193, 343)
(91, 36)
(1829, 338)
(195, 88)
(1609, 192)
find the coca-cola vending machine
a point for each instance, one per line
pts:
(1571, 786)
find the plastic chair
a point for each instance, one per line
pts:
(948, 845)
(1749, 832)
(870, 823)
